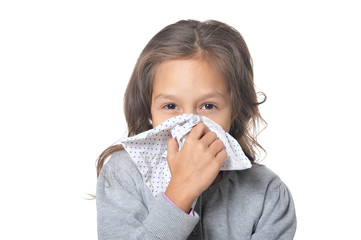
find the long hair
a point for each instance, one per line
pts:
(222, 46)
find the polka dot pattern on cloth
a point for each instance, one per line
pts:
(149, 149)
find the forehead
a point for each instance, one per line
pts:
(187, 73)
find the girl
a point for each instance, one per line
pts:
(201, 68)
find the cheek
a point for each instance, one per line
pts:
(154, 116)
(157, 118)
(226, 124)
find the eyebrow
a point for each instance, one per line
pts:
(206, 96)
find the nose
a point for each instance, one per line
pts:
(190, 110)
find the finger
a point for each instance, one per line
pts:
(198, 131)
(220, 157)
(209, 138)
(216, 147)
(172, 147)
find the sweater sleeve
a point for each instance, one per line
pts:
(278, 219)
(124, 213)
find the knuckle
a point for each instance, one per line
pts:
(200, 146)
(198, 126)
(222, 153)
(189, 141)
(221, 156)
(202, 126)
(219, 143)
(212, 135)
(209, 155)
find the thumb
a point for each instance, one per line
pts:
(172, 147)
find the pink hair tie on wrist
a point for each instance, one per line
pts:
(191, 211)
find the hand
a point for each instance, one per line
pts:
(195, 166)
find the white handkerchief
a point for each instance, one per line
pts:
(149, 149)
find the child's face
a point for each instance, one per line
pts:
(190, 86)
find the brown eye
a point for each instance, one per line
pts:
(208, 106)
(170, 106)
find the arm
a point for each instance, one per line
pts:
(124, 213)
(278, 219)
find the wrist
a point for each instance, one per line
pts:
(181, 198)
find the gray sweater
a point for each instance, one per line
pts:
(250, 204)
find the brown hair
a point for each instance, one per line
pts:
(224, 47)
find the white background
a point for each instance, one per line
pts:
(64, 66)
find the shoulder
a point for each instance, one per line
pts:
(122, 169)
(273, 203)
(258, 178)
(262, 188)
(120, 161)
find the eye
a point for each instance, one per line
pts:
(208, 106)
(170, 106)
